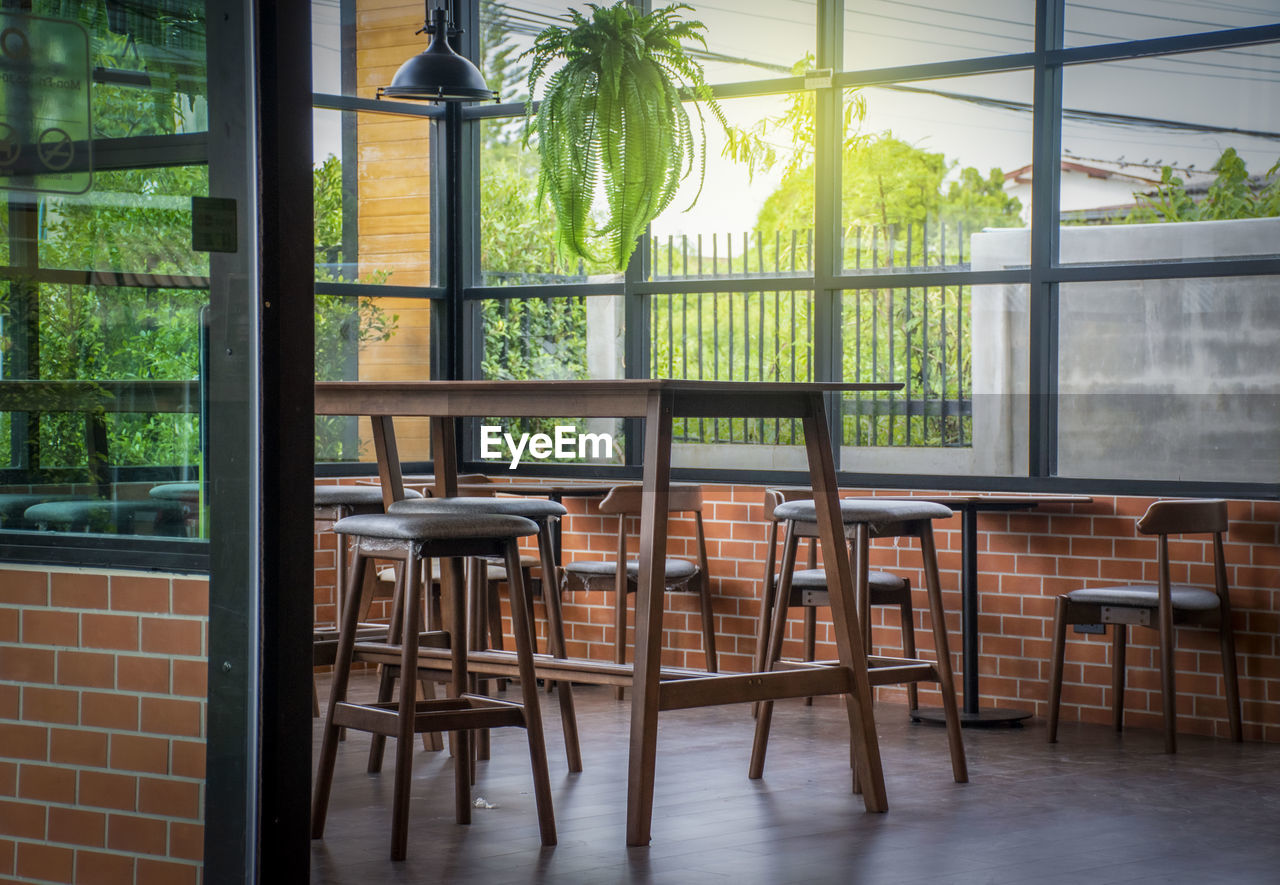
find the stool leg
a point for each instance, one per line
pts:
(1118, 636)
(906, 618)
(1055, 665)
(386, 674)
(337, 695)
(529, 698)
(810, 640)
(478, 577)
(620, 619)
(407, 708)
(959, 768)
(768, 597)
(452, 586)
(760, 745)
(555, 641)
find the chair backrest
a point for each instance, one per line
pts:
(1184, 517)
(774, 497)
(627, 500)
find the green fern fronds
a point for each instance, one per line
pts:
(611, 122)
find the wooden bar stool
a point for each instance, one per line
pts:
(544, 513)
(809, 592)
(864, 519)
(408, 539)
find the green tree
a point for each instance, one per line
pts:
(1231, 195)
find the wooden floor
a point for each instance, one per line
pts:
(1096, 808)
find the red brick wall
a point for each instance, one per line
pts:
(102, 726)
(1025, 560)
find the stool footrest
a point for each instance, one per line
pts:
(389, 652)
(442, 714)
(880, 670)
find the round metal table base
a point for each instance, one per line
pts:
(985, 716)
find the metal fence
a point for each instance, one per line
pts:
(916, 336)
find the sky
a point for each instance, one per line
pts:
(1144, 111)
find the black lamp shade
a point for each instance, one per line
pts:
(438, 73)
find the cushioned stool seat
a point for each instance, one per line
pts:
(1183, 597)
(600, 575)
(182, 492)
(816, 579)
(113, 517)
(530, 508)
(874, 513)
(13, 507)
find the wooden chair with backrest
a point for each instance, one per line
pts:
(1161, 606)
(809, 592)
(621, 574)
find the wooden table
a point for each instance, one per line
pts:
(969, 507)
(658, 402)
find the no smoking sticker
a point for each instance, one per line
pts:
(45, 116)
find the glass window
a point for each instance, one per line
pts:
(746, 215)
(754, 39)
(961, 354)
(1175, 154)
(1169, 379)
(553, 338)
(372, 198)
(1091, 22)
(936, 175)
(891, 33)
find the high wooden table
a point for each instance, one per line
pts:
(969, 506)
(658, 402)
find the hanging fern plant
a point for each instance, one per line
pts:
(611, 121)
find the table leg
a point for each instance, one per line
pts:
(384, 448)
(649, 604)
(869, 773)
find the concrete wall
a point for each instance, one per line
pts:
(1158, 379)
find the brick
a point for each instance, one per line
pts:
(132, 752)
(171, 717)
(47, 783)
(22, 819)
(109, 710)
(6, 857)
(50, 705)
(190, 597)
(76, 747)
(9, 619)
(110, 631)
(99, 868)
(187, 759)
(142, 674)
(88, 669)
(167, 872)
(74, 590)
(191, 678)
(10, 701)
(50, 863)
(167, 797)
(186, 841)
(136, 594)
(138, 835)
(171, 636)
(25, 588)
(24, 741)
(103, 789)
(76, 826)
(8, 778)
(50, 627)
(27, 664)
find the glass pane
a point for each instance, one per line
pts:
(517, 231)
(371, 339)
(372, 198)
(507, 29)
(1174, 155)
(889, 33)
(961, 354)
(579, 337)
(153, 205)
(150, 75)
(744, 218)
(1143, 19)
(754, 39)
(102, 403)
(1169, 379)
(733, 336)
(933, 175)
